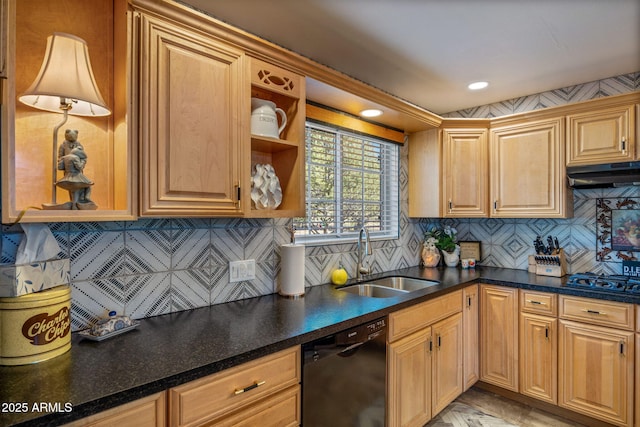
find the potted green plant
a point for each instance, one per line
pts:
(446, 240)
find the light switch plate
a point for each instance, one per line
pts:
(240, 271)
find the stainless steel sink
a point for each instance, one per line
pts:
(388, 287)
(375, 291)
(403, 283)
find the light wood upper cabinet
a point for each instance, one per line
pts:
(465, 172)
(286, 90)
(527, 170)
(602, 135)
(110, 142)
(192, 94)
(499, 336)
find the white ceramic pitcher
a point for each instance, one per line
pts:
(264, 121)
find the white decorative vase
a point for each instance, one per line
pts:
(430, 256)
(451, 259)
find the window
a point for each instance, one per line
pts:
(351, 181)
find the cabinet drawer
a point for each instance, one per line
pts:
(597, 312)
(150, 411)
(279, 410)
(539, 303)
(221, 393)
(404, 322)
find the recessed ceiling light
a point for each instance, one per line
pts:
(478, 85)
(371, 113)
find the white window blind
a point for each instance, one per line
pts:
(351, 181)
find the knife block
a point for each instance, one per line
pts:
(551, 265)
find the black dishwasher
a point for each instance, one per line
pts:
(344, 378)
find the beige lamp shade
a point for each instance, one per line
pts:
(66, 73)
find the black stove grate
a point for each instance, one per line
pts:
(606, 283)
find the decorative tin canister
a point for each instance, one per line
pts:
(35, 327)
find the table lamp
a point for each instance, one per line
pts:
(65, 84)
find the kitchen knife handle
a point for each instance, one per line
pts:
(256, 384)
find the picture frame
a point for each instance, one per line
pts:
(617, 229)
(470, 249)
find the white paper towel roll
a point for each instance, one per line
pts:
(292, 270)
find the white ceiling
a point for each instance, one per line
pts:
(427, 51)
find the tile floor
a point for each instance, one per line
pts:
(502, 412)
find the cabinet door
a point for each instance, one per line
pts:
(527, 170)
(499, 336)
(601, 136)
(409, 380)
(596, 372)
(538, 357)
(446, 365)
(4, 37)
(470, 344)
(191, 89)
(465, 177)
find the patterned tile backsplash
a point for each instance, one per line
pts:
(156, 266)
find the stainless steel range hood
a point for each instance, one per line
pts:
(604, 175)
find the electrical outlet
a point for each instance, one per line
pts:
(240, 271)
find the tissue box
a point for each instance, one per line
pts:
(16, 280)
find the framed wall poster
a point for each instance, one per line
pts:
(470, 249)
(618, 229)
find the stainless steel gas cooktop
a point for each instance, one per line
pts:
(605, 283)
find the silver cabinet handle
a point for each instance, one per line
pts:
(530, 301)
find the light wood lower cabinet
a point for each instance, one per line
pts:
(539, 345)
(446, 362)
(149, 411)
(424, 365)
(499, 336)
(265, 389)
(409, 379)
(470, 336)
(596, 358)
(538, 357)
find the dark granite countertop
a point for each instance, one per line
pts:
(172, 349)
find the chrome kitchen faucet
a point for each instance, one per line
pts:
(360, 268)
